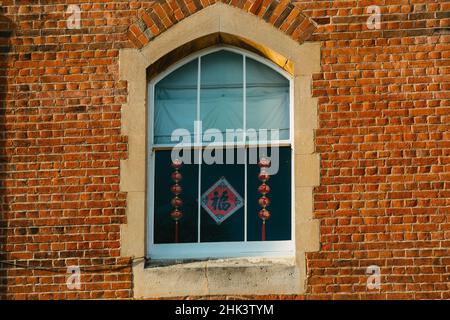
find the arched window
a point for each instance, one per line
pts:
(224, 113)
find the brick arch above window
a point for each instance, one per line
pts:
(218, 39)
(284, 15)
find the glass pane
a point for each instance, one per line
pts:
(221, 93)
(164, 226)
(267, 99)
(223, 189)
(176, 102)
(278, 226)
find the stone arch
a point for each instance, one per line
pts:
(164, 14)
(227, 276)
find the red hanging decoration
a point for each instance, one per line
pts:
(176, 202)
(264, 189)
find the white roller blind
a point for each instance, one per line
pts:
(221, 97)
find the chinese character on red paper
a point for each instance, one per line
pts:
(221, 201)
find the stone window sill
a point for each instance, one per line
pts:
(234, 276)
(221, 263)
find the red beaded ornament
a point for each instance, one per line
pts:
(264, 201)
(263, 175)
(264, 189)
(176, 189)
(264, 214)
(264, 162)
(176, 202)
(177, 164)
(176, 214)
(176, 176)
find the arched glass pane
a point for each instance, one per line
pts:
(222, 98)
(176, 103)
(267, 98)
(221, 91)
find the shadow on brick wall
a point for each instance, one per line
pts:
(6, 31)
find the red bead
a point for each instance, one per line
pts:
(264, 201)
(264, 162)
(176, 176)
(264, 189)
(176, 202)
(176, 214)
(264, 214)
(177, 163)
(263, 176)
(176, 189)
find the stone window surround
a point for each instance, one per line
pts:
(237, 276)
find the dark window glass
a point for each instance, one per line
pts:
(164, 227)
(278, 226)
(232, 229)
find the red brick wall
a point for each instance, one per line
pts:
(383, 139)
(61, 146)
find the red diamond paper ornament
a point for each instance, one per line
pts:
(221, 200)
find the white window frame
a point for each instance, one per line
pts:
(206, 250)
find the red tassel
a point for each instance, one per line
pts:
(177, 231)
(176, 202)
(263, 231)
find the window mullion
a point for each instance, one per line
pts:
(198, 141)
(244, 95)
(151, 171)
